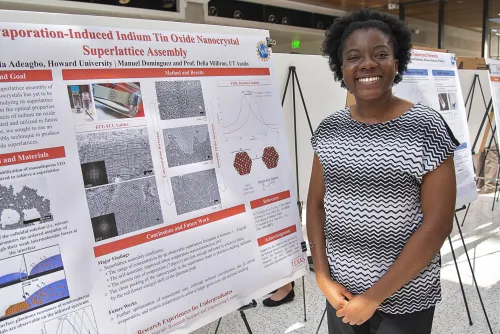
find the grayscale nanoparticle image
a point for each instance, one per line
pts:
(187, 145)
(180, 99)
(125, 207)
(195, 191)
(24, 203)
(114, 156)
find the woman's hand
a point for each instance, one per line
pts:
(335, 293)
(358, 310)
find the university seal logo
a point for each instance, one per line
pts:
(263, 51)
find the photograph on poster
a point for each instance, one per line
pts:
(444, 104)
(118, 100)
(100, 102)
(447, 101)
(82, 105)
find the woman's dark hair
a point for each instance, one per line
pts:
(365, 19)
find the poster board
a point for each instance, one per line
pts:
(432, 80)
(146, 174)
(494, 66)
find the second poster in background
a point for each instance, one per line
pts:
(432, 79)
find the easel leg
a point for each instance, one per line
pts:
(496, 190)
(466, 212)
(247, 325)
(304, 297)
(321, 321)
(460, 281)
(473, 275)
(218, 324)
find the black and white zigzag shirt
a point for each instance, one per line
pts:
(372, 175)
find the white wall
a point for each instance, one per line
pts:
(322, 96)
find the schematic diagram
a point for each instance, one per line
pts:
(243, 162)
(81, 321)
(24, 203)
(30, 281)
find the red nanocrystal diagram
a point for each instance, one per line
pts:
(270, 157)
(242, 163)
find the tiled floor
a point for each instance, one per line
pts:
(482, 237)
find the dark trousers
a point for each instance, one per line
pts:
(383, 323)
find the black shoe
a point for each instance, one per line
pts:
(288, 298)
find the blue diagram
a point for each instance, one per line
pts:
(30, 281)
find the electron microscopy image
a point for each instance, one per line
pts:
(114, 156)
(187, 145)
(180, 99)
(124, 207)
(195, 191)
(24, 203)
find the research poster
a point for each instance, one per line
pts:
(145, 179)
(494, 66)
(432, 79)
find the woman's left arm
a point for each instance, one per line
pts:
(438, 193)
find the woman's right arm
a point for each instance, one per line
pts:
(315, 222)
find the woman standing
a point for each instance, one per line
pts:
(382, 191)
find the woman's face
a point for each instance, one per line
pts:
(368, 64)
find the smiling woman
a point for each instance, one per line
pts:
(382, 194)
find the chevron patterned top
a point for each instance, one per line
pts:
(372, 175)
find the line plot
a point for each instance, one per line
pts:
(81, 321)
(250, 120)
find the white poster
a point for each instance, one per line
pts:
(495, 91)
(145, 179)
(432, 79)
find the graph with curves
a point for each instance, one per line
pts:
(81, 321)
(249, 118)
